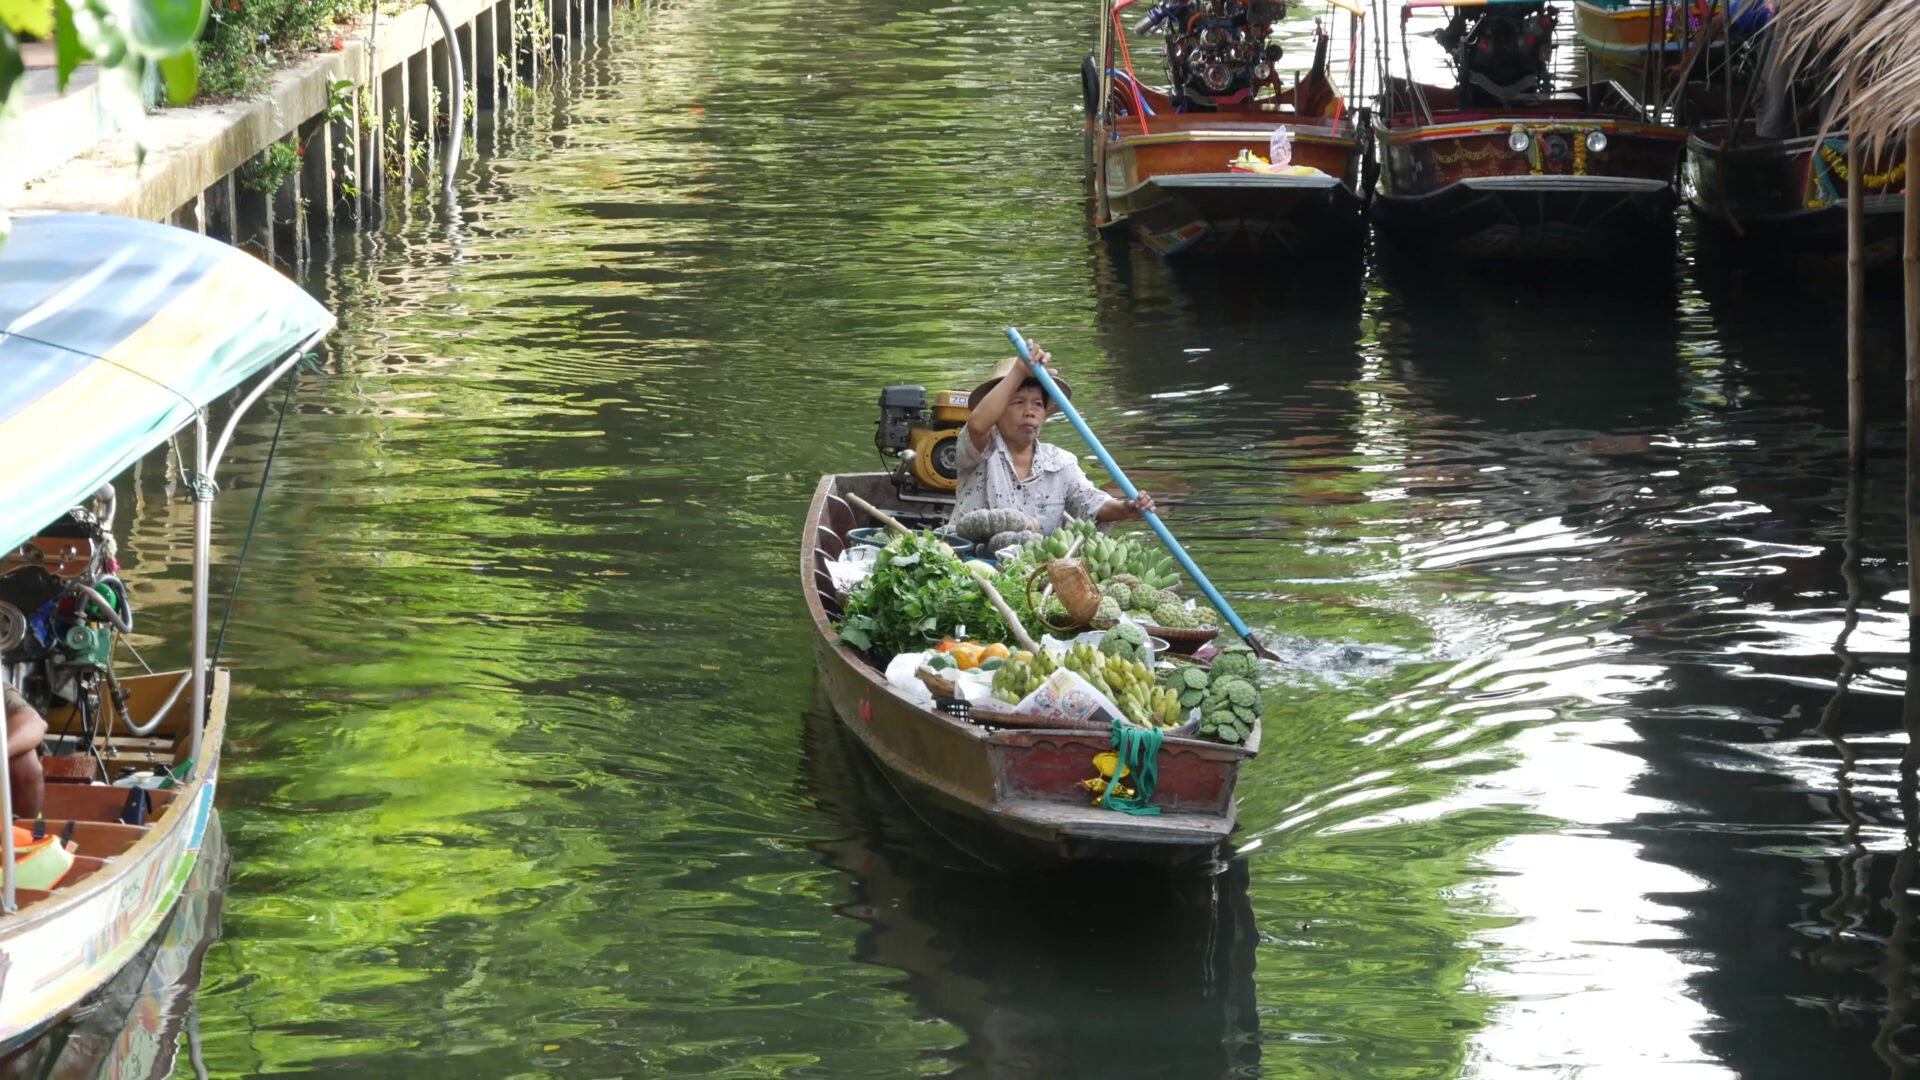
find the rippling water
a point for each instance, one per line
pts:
(528, 776)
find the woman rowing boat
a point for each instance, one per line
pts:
(1002, 463)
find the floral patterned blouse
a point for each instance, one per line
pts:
(1057, 488)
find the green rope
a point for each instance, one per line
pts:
(1138, 751)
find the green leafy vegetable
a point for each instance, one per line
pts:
(917, 594)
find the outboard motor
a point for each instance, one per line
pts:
(1499, 53)
(1217, 50)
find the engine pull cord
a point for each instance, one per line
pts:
(259, 497)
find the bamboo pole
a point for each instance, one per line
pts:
(1856, 291)
(1911, 266)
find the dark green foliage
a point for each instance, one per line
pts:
(917, 594)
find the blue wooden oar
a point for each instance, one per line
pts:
(1160, 529)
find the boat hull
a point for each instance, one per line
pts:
(1172, 191)
(57, 951)
(1012, 798)
(1791, 193)
(1621, 40)
(1456, 184)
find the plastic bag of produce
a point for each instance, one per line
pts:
(974, 684)
(900, 676)
(1067, 696)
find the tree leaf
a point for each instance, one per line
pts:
(67, 50)
(158, 29)
(181, 72)
(28, 16)
(12, 69)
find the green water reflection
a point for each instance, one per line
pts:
(527, 774)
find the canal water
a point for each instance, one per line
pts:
(1581, 763)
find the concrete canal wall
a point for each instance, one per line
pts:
(369, 120)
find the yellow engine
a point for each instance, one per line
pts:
(924, 437)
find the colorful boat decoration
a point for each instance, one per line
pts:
(1506, 164)
(1190, 167)
(136, 327)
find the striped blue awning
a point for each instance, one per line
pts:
(113, 334)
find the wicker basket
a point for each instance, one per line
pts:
(1073, 585)
(1184, 642)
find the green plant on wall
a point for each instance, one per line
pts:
(265, 173)
(531, 25)
(244, 39)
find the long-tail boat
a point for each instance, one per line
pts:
(1791, 193)
(1008, 796)
(1504, 164)
(1188, 167)
(115, 336)
(1771, 173)
(1636, 43)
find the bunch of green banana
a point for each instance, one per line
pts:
(1059, 540)
(1164, 708)
(1022, 674)
(1126, 683)
(1158, 571)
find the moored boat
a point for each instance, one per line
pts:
(1010, 796)
(1503, 164)
(114, 336)
(1636, 44)
(1792, 193)
(1188, 168)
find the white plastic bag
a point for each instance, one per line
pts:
(900, 676)
(1280, 147)
(973, 684)
(1067, 696)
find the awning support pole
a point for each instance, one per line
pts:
(203, 492)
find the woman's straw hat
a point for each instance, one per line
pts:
(1003, 369)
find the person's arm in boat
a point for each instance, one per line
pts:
(25, 730)
(1086, 501)
(986, 412)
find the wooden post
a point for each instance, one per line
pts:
(1910, 258)
(1856, 294)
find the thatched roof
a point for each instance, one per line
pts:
(1876, 40)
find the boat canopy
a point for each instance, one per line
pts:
(114, 333)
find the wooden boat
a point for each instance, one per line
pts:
(1527, 173)
(1010, 797)
(1623, 39)
(1791, 194)
(136, 328)
(1159, 165)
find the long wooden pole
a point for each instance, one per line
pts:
(1911, 265)
(1856, 293)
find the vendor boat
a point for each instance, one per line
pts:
(1010, 796)
(1502, 164)
(1791, 193)
(1189, 168)
(114, 336)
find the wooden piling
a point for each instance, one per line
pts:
(1910, 260)
(1856, 298)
